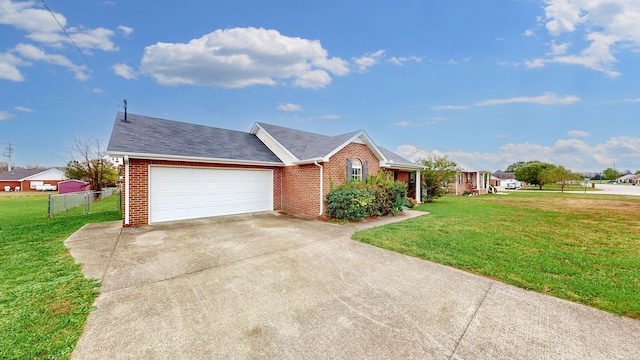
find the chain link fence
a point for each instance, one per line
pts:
(88, 200)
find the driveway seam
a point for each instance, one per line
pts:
(113, 250)
(475, 314)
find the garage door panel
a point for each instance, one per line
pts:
(187, 193)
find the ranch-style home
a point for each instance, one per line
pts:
(31, 179)
(177, 171)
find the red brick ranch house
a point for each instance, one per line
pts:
(177, 171)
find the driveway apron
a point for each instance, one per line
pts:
(270, 285)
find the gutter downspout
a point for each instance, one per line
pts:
(126, 190)
(321, 189)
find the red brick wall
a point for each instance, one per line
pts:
(301, 190)
(139, 185)
(301, 184)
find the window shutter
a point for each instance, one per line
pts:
(349, 171)
(365, 170)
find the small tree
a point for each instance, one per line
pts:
(558, 175)
(439, 173)
(531, 172)
(611, 174)
(89, 162)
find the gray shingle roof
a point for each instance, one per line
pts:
(396, 159)
(19, 174)
(153, 136)
(305, 145)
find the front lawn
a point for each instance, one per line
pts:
(44, 298)
(583, 248)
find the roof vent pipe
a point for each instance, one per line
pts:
(125, 110)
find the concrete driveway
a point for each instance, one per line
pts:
(272, 286)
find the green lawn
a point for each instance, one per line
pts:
(44, 299)
(583, 248)
(555, 187)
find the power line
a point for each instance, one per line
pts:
(81, 54)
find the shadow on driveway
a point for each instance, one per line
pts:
(270, 286)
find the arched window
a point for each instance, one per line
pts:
(356, 169)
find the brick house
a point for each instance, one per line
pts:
(177, 171)
(31, 179)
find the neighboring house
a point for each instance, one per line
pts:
(630, 178)
(468, 180)
(507, 180)
(71, 186)
(176, 171)
(473, 181)
(31, 179)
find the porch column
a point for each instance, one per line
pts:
(479, 186)
(418, 192)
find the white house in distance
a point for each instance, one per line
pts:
(31, 179)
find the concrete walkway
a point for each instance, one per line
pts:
(272, 286)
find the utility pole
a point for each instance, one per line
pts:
(8, 151)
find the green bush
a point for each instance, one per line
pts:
(379, 196)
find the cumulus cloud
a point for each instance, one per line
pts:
(407, 124)
(574, 154)
(5, 115)
(578, 133)
(9, 67)
(547, 98)
(41, 27)
(35, 53)
(23, 109)
(124, 70)
(363, 63)
(289, 107)
(125, 29)
(241, 57)
(609, 26)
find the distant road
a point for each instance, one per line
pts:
(617, 189)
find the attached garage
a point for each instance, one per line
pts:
(180, 193)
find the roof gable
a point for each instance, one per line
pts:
(153, 137)
(305, 146)
(32, 174)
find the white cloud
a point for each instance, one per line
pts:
(368, 60)
(609, 25)
(124, 70)
(628, 100)
(241, 57)
(96, 91)
(529, 32)
(35, 53)
(290, 107)
(326, 117)
(407, 124)
(573, 154)
(5, 115)
(23, 109)
(125, 29)
(547, 98)
(401, 60)
(450, 107)
(41, 27)
(9, 67)
(578, 133)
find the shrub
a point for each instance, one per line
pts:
(356, 200)
(350, 201)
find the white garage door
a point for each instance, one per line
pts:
(180, 193)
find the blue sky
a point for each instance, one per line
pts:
(489, 82)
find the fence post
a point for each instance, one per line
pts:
(50, 207)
